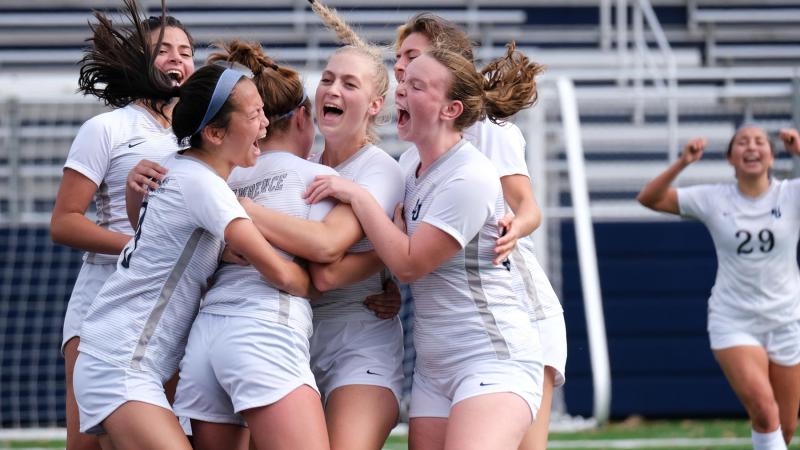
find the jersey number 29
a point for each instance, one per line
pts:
(765, 238)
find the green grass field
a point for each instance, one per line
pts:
(631, 434)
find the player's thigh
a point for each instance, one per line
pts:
(490, 421)
(360, 416)
(296, 421)
(143, 426)
(747, 369)
(427, 433)
(219, 436)
(75, 439)
(536, 436)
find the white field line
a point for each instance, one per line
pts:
(650, 443)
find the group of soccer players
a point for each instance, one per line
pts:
(207, 201)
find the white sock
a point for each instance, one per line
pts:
(768, 441)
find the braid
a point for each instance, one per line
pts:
(332, 20)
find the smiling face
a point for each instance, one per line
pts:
(421, 99)
(750, 153)
(411, 47)
(247, 124)
(174, 58)
(346, 100)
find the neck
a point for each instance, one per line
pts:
(284, 142)
(436, 145)
(339, 150)
(160, 118)
(221, 167)
(753, 186)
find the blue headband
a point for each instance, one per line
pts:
(222, 91)
(291, 113)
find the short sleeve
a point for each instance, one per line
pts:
(384, 180)
(792, 193)
(319, 210)
(462, 206)
(90, 153)
(504, 145)
(695, 201)
(212, 204)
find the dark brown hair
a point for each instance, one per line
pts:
(280, 87)
(195, 95)
(118, 64)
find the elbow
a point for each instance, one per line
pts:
(322, 279)
(57, 234)
(643, 199)
(285, 281)
(327, 253)
(406, 276)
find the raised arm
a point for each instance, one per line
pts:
(244, 238)
(791, 140)
(324, 241)
(658, 194)
(69, 224)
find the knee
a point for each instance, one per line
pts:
(764, 414)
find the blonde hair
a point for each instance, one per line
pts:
(504, 87)
(280, 87)
(372, 53)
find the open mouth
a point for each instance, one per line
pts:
(330, 110)
(402, 116)
(176, 76)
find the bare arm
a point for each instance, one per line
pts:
(351, 268)
(324, 241)
(409, 258)
(658, 194)
(244, 238)
(69, 224)
(527, 216)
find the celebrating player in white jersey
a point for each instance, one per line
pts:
(355, 356)
(247, 357)
(135, 331)
(476, 350)
(105, 150)
(504, 145)
(754, 309)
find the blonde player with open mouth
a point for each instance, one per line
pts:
(754, 309)
(477, 354)
(247, 358)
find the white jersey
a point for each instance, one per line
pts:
(142, 315)
(277, 181)
(106, 148)
(758, 281)
(465, 310)
(377, 172)
(504, 145)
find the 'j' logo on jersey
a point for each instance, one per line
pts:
(415, 211)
